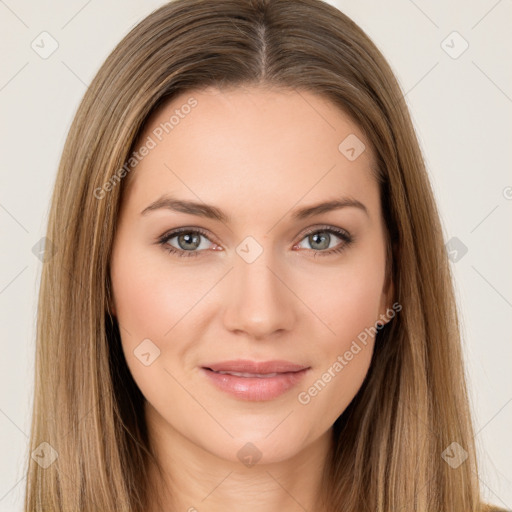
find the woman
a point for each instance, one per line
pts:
(250, 305)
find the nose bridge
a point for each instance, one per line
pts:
(259, 303)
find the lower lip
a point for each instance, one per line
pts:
(255, 388)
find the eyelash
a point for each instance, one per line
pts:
(344, 235)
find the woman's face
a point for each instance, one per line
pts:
(256, 323)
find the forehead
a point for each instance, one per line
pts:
(252, 144)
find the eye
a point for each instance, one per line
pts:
(321, 240)
(188, 242)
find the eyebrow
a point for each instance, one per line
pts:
(212, 212)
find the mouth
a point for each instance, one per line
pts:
(255, 381)
(246, 374)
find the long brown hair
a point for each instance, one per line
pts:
(413, 403)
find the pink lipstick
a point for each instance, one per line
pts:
(252, 380)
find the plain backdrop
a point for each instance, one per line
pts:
(452, 60)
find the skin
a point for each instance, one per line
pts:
(257, 154)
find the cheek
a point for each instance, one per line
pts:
(350, 306)
(344, 353)
(148, 304)
(352, 310)
(153, 301)
(149, 299)
(349, 300)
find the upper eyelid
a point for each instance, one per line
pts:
(326, 228)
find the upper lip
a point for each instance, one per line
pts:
(256, 367)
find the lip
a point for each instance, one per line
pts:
(253, 380)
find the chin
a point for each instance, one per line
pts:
(252, 446)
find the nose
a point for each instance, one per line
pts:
(260, 302)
